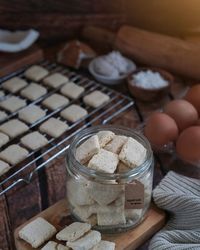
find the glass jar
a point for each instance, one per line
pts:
(103, 199)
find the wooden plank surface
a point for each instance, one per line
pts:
(59, 216)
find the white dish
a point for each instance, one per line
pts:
(111, 80)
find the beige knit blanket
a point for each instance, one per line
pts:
(180, 196)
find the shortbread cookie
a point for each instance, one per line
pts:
(73, 113)
(73, 231)
(78, 192)
(37, 232)
(13, 128)
(2, 94)
(3, 116)
(111, 217)
(4, 167)
(13, 103)
(96, 99)
(14, 84)
(104, 245)
(52, 245)
(83, 212)
(72, 90)
(104, 161)
(133, 153)
(116, 144)
(86, 242)
(53, 127)
(14, 154)
(36, 73)
(55, 80)
(31, 114)
(87, 149)
(3, 139)
(105, 137)
(34, 140)
(55, 101)
(33, 91)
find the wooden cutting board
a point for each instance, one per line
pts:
(59, 216)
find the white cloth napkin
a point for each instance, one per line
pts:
(17, 40)
(180, 196)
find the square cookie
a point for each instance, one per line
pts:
(73, 232)
(12, 104)
(116, 144)
(104, 161)
(52, 245)
(73, 113)
(37, 232)
(105, 136)
(3, 139)
(14, 154)
(36, 73)
(33, 91)
(53, 127)
(13, 128)
(55, 80)
(96, 99)
(133, 153)
(3, 116)
(4, 167)
(72, 90)
(34, 140)
(104, 245)
(14, 84)
(55, 101)
(31, 114)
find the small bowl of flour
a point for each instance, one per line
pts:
(149, 84)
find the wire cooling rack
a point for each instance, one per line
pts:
(36, 160)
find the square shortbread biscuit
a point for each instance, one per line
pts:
(133, 153)
(86, 242)
(87, 149)
(34, 140)
(36, 73)
(13, 128)
(104, 245)
(78, 192)
(3, 116)
(53, 127)
(14, 84)
(97, 192)
(73, 231)
(72, 90)
(104, 161)
(96, 99)
(13, 103)
(55, 101)
(83, 212)
(33, 91)
(55, 80)
(116, 144)
(37, 232)
(111, 218)
(52, 245)
(31, 114)
(73, 113)
(3, 139)
(2, 94)
(105, 137)
(13, 154)
(4, 167)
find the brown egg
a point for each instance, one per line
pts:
(193, 96)
(160, 129)
(183, 112)
(188, 144)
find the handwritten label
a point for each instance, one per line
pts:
(134, 195)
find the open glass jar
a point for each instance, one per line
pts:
(110, 202)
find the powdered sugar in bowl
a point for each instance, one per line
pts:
(150, 84)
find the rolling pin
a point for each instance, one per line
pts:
(153, 49)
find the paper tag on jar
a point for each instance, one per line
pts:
(134, 195)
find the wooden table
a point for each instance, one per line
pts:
(48, 186)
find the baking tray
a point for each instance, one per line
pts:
(36, 160)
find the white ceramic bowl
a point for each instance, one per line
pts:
(111, 80)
